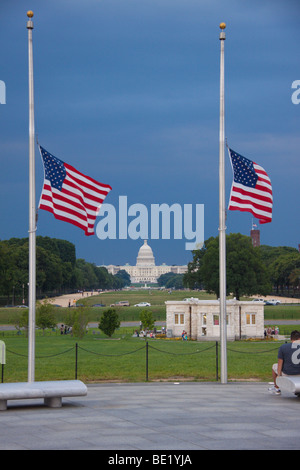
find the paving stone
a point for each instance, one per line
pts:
(157, 417)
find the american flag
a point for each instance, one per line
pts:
(251, 190)
(70, 195)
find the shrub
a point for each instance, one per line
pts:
(109, 322)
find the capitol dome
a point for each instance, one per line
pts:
(145, 256)
(145, 271)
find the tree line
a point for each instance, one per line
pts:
(57, 269)
(249, 270)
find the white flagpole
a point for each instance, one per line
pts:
(222, 217)
(32, 212)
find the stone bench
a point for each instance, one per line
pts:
(52, 392)
(289, 383)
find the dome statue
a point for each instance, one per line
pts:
(145, 256)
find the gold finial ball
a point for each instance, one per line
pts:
(30, 14)
(222, 25)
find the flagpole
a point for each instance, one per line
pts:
(222, 216)
(32, 212)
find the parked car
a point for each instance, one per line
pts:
(273, 302)
(122, 303)
(259, 300)
(143, 304)
(98, 305)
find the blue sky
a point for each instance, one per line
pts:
(127, 91)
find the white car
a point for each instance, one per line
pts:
(273, 302)
(258, 300)
(143, 304)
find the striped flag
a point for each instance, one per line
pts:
(251, 190)
(70, 195)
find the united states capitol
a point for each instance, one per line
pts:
(145, 271)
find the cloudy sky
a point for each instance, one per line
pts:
(127, 91)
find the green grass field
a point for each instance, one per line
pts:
(123, 357)
(157, 300)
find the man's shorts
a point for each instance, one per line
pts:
(275, 369)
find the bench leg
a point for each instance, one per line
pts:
(3, 405)
(53, 402)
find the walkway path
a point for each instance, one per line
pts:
(158, 418)
(64, 300)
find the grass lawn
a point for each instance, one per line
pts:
(154, 297)
(123, 358)
(157, 300)
(282, 312)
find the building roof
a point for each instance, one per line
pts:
(145, 256)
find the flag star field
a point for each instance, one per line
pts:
(55, 171)
(243, 170)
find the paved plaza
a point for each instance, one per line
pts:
(157, 417)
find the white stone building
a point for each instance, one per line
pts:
(145, 271)
(200, 319)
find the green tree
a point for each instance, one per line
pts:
(124, 277)
(49, 270)
(12, 270)
(282, 268)
(209, 266)
(192, 278)
(80, 321)
(109, 322)
(103, 278)
(170, 280)
(45, 316)
(22, 321)
(294, 278)
(147, 319)
(269, 254)
(88, 277)
(164, 278)
(245, 271)
(57, 269)
(63, 249)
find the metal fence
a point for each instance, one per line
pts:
(147, 347)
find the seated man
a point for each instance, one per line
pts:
(288, 360)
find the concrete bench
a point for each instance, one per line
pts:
(51, 392)
(289, 383)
